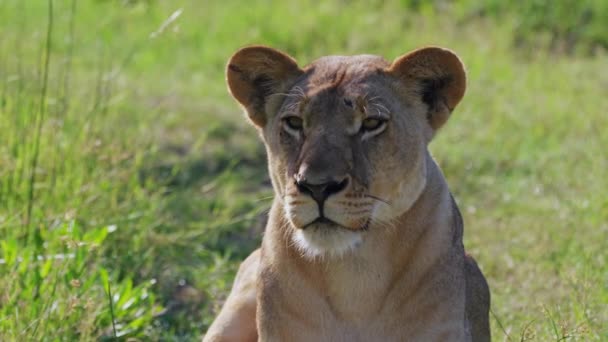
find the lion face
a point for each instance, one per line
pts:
(346, 136)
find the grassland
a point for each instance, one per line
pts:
(131, 186)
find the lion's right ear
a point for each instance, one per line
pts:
(257, 72)
(438, 77)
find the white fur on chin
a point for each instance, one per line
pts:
(316, 242)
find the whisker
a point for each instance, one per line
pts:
(263, 199)
(292, 108)
(287, 94)
(378, 199)
(382, 223)
(381, 108)
(371, 99)
(355, 204)
(364, 223)
(299, 91)
(359, 212)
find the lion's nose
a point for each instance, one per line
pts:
(320, 192)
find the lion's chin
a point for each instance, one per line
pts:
(326, 240)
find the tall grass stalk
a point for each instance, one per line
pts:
(37, 236)
(45, 311)
(111, 303)
(39, 120)
(502, 328)
(15, 175)
(69, 58)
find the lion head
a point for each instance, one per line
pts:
(346, 137)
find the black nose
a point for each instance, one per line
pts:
(320, 192)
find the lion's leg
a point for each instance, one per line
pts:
(477, 301)
(236, 321)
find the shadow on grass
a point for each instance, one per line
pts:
(214, 198)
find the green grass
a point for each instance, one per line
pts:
(150, 183)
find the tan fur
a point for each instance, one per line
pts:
(387, 262)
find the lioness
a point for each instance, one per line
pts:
(364, 240)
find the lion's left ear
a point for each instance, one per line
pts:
(255, 73)
(437, 75)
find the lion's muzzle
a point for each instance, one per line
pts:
(320, 191)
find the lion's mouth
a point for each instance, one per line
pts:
(324, 236)
(323, 222)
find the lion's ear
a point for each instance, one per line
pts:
(437, 75)
(254, 73)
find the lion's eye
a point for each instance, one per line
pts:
(372, 124)
(293, 122)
